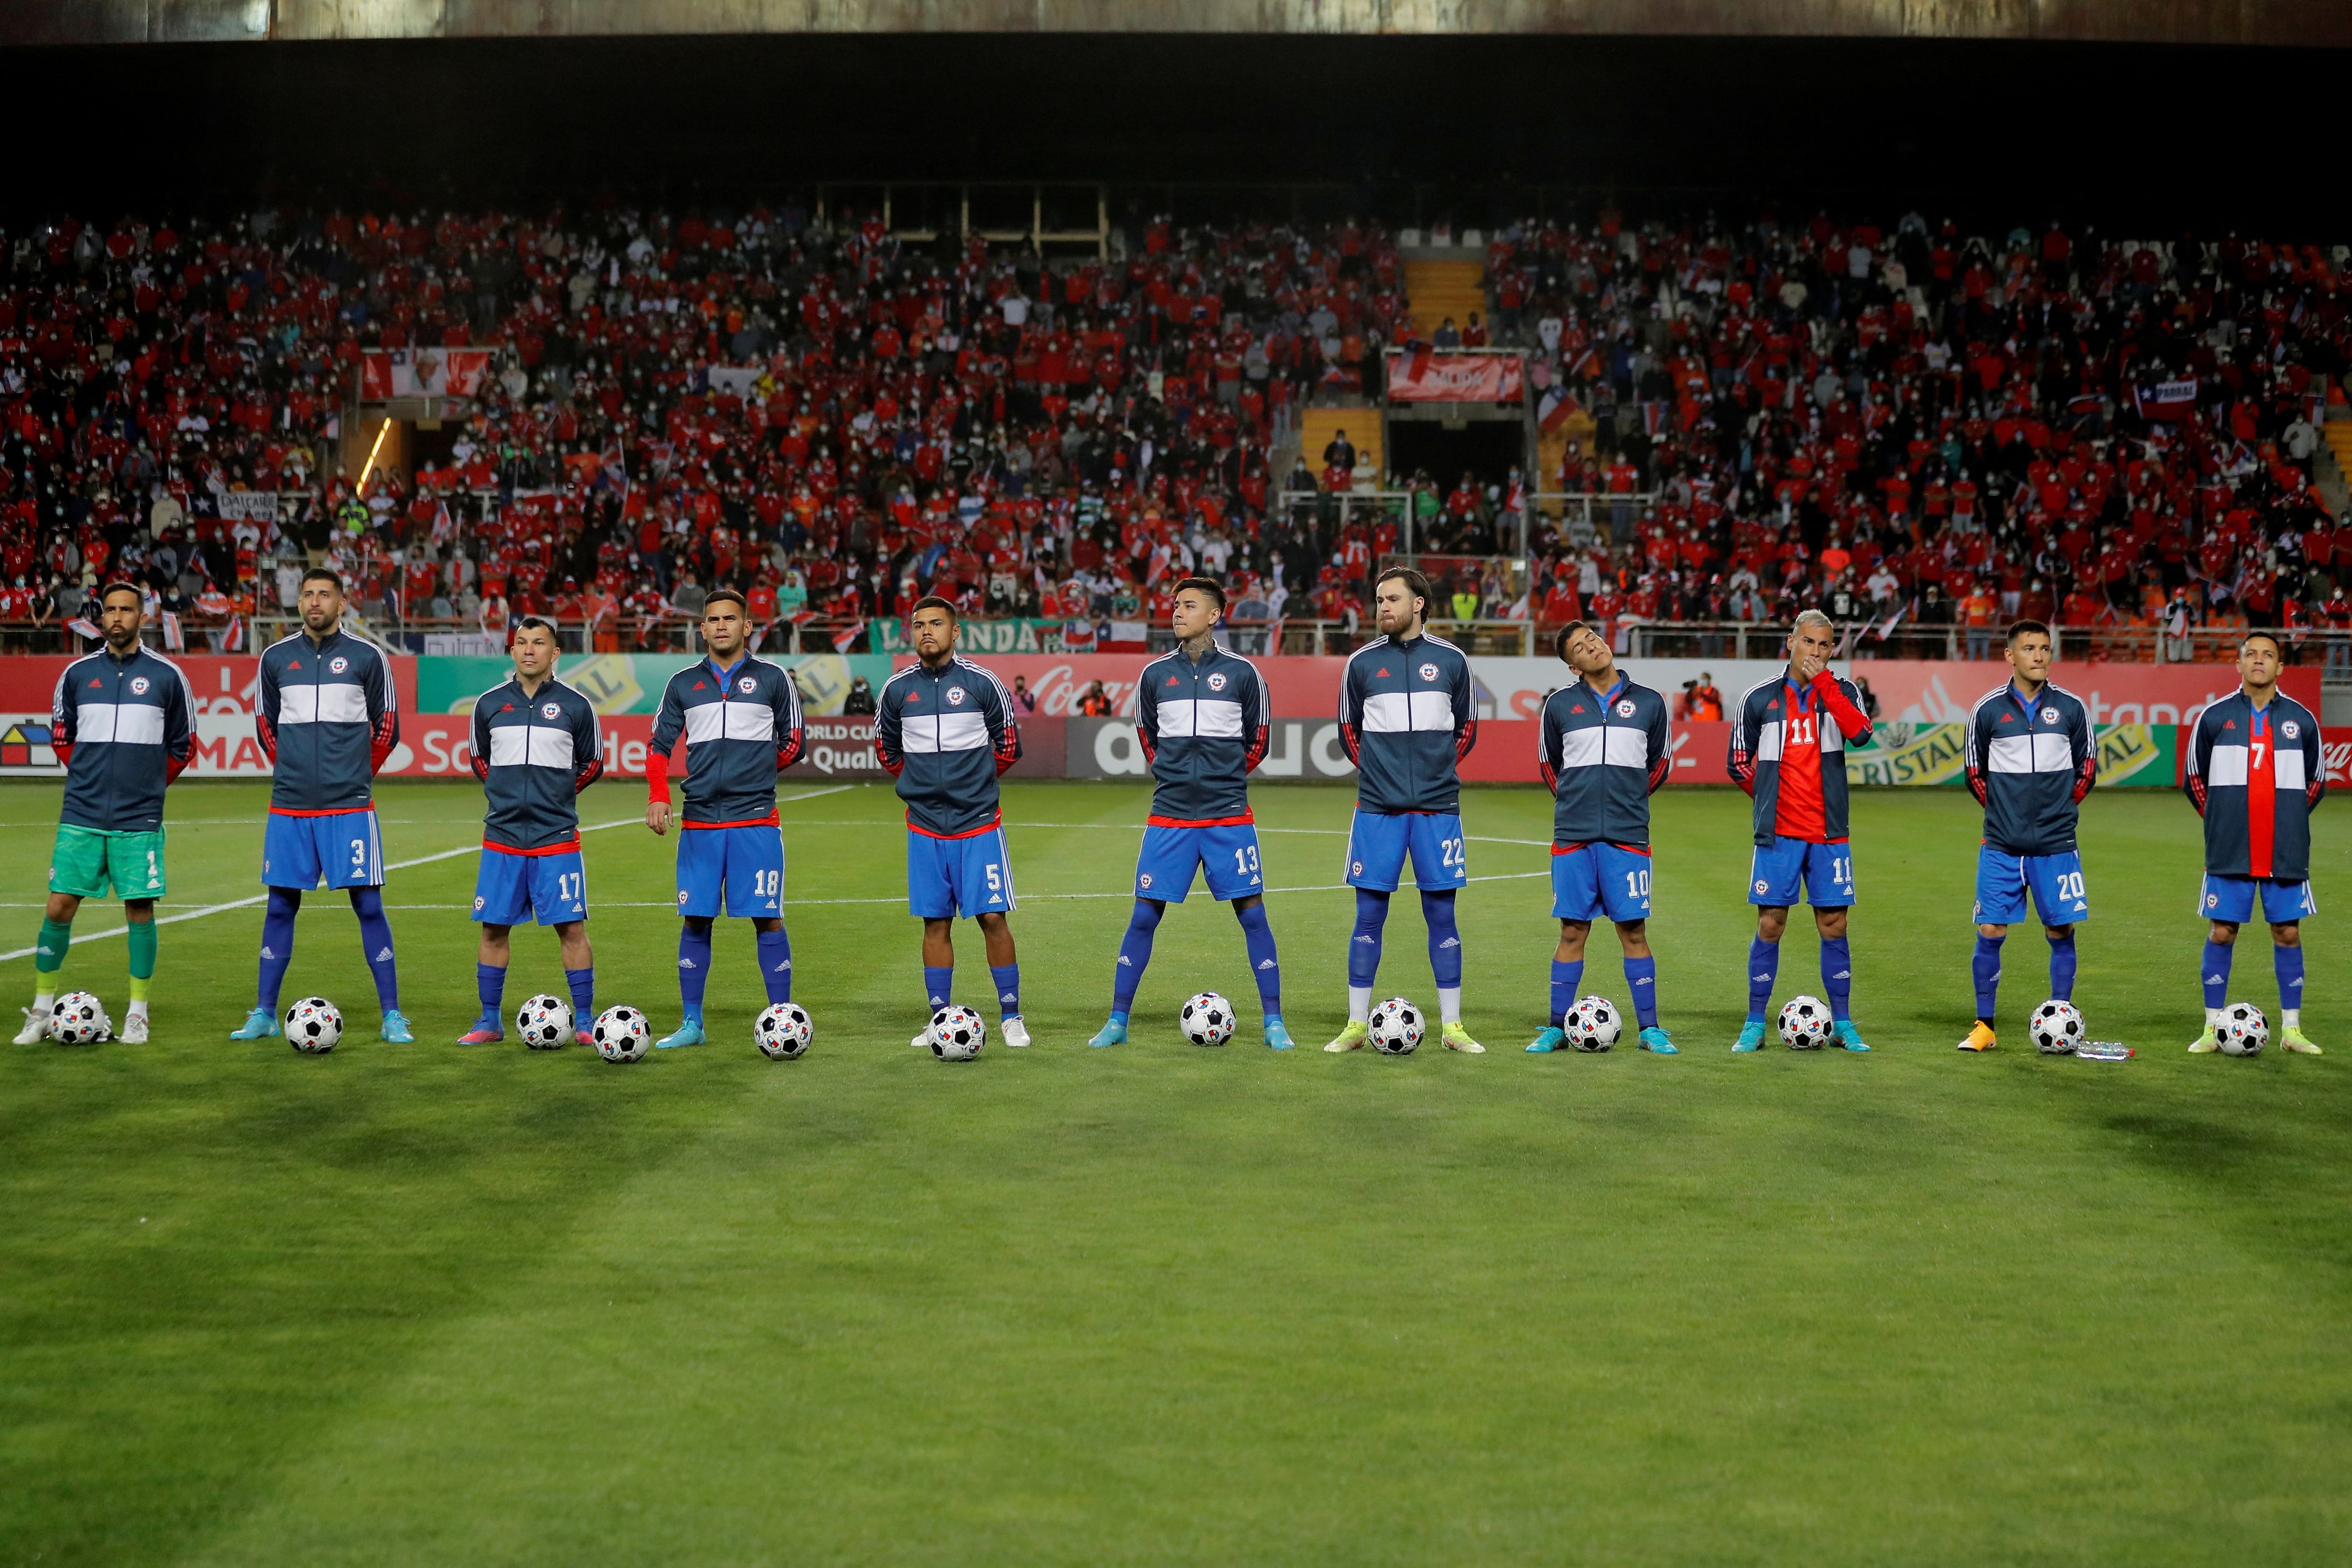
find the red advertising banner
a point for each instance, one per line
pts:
(1432, 377)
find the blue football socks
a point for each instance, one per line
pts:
(1763, 968)
(1641, 979)
(1565, 979)
(1134, 956)
(1837, 975)
(2061, 966)
(693, 966)
(1364, 943)
(2289, 963)
(1445, 939)
(582, 983)
(276, 946)
(939, 984)
(375, 936)
(1257, 937)
(776, 964)
(1006, 978)
(490, 985)
(1984, 967)
(2217, 974)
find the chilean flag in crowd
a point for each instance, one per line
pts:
(2166, 399)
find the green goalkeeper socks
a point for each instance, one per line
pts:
(49, 955)
(142, 953)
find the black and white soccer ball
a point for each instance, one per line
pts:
(957, 1033)
(78, 1018)
(1805, 1024)
(1207, 1019)
(782, 1032)
(544, 1022)
(1396, 1027)
(2243, 1030)
(2056, 1027)
(1592, 1025)
(313, 1025)
(622, 1035)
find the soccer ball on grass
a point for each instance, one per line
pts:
(1207, 1019)
(622, 1035)
(957, 1033)
(2056, 1027)
(1592, 1025)
(782, 1032)
(1396, 1027)
(544, 1022)
(1805, 1024)
(77, 1018)
(2243, 1030)
(313, 1025)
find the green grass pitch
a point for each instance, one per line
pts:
(1162, 1305)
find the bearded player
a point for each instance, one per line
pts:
(1788, 752)
(123, 722)
(1201, 714)
(1408, 715)
(2255, 771)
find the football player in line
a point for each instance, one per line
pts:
(122, 721)
(2029, 760)
(2255, 773)
(1788, 751)
(1201, 714)
(1603, 752)
(944, 729)
(535, 747)
(1408, 715)
(738, 718)
(327, 719)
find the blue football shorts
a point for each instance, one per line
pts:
(2055, 881)
(951, 877)
(746, 864)
(342, 849)
(1781, 868)
(1378, 843)
(2231, 899)
(1225, 851)
(1589, 880)
(511, 888)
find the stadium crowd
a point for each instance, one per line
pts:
(1907, 424)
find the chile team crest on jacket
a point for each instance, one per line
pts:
(955, 696)
(746, 685)
(1217, 681)
(551, 710)
(1429, 672)
(1624, 708)
(2050, 715)
(2288, 728)
(138, 689)
(339, 664)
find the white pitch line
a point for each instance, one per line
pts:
(197, 914)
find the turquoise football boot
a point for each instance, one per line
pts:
(1751, 1036)
(260, 1024)
(1654, 1040)
(1849, 1036)
(1550, 1038)
(1277, 1038)
(690, 1033)
(1112, 1033)
(395, 1029)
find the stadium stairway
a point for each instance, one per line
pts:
(1436, 290)
(1318, 426)
(2335, 488)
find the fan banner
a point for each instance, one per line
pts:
(1428, 377)
(387, 373)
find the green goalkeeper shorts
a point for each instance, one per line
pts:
(87, 859)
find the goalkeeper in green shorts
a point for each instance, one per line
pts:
(123, 722)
